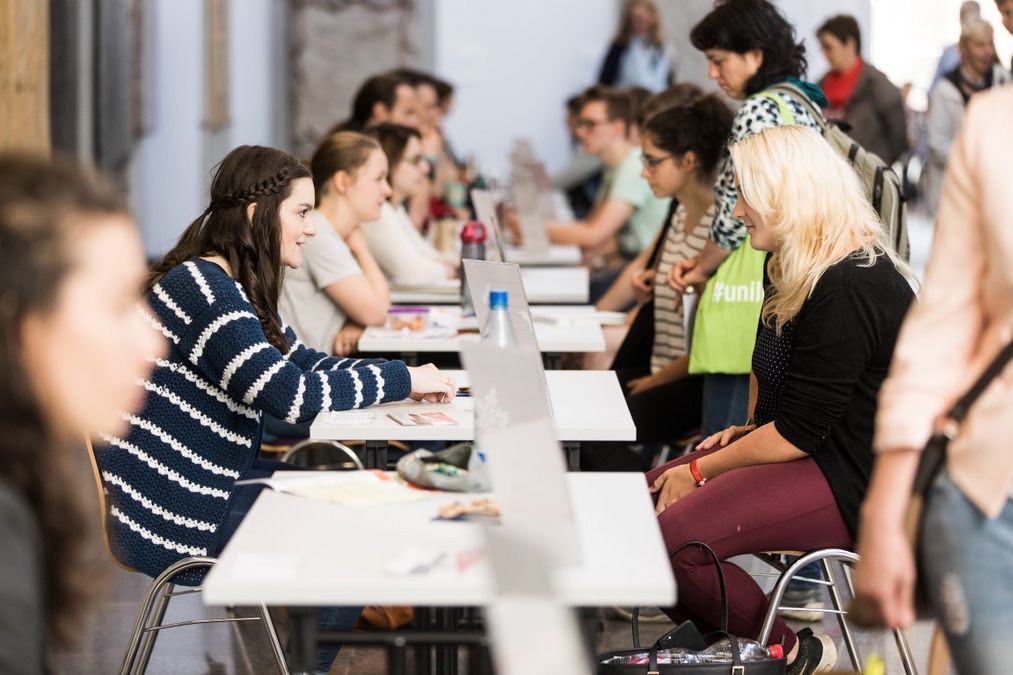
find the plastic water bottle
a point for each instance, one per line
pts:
(721, 651)
(497, 329)
(472, 246)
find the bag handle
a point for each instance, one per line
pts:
(948, 426)
(660, 643)
(963, 405)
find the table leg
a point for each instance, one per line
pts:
(410, 358)
(572, 449)
(423, 655)
(552, 361)
(397, 657)
(376, 455)
(302, 640)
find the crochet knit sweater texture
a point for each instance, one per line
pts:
(169, 478)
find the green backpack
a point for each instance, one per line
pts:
(882, 186)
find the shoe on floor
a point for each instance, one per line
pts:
(816, 654)
(647, 614)
(796, 602)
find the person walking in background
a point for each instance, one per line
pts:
(859, 93)
(976, 72)
(950, 58)
(638, 56)
(1006, 12)
(962, 320)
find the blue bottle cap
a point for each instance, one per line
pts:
(498, 300)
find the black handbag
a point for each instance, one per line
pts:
(687, 636)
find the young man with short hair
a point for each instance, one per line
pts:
(626, 214)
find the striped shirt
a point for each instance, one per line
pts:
(169, 477)
(669, 324)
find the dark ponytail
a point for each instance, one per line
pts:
(252, 247)
(701, 126)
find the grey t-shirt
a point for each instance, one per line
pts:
(22, 616)
(304, 305)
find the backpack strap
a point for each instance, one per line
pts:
(783, 109)
(800, 96)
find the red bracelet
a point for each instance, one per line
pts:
(700, 480)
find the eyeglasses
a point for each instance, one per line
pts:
(417, 160)
(651, 163)
(588, 125)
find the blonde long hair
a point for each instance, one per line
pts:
(815, 208)
(625, 31)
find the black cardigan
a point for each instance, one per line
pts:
(820, 379)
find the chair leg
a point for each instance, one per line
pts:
(838, 603)
(272, 637)
(150, 634)
(153, 597)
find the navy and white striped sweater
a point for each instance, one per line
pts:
(169, 478)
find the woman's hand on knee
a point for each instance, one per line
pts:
(723, 438)
(672, 485)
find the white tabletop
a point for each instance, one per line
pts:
(558, 331)
(555, 255)
(302, 552)
(542, 285)
(587, 405)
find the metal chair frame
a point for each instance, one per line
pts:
(825, 557)
(352, 461)
(161, 590)
(156, 602)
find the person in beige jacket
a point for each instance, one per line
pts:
(962, 320)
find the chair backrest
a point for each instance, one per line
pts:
(103, 507)
(324, 455)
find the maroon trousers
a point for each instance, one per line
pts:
(772, 507)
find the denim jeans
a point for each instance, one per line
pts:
(967, 560)
(329, 618)
(725, 402)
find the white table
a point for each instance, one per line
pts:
(559, 331)
(555, 255)
(282, 556)
(587, 405)
(278, 556)
(542, 285)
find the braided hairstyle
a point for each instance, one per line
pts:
(250, 174)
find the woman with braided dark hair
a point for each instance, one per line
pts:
(170, 477)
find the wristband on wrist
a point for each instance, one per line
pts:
(693, 469)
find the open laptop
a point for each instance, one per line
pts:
(535, 202)
(515, 432)
(482, 276)
(528, 623)
(485, 212)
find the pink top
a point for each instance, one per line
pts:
(965, 313)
